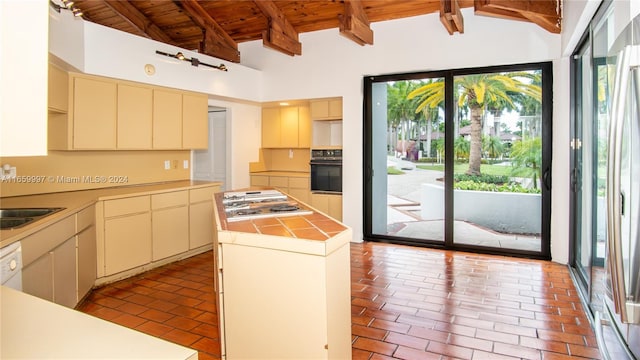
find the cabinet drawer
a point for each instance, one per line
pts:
(299, 182)
(45, 240)
(85, 218)
(202, 194)
(170, 199)
(279, 181)
(259, 180)
(132, 205)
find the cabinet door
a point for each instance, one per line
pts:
(65, 290)
(259, 180)
(320, 202)
(37, 278)
(304, 127)
(58, 89)
(289, 127)
(335, 206)
(87, 264)
(127, 242)
(335, 109)
(170, 232)
(271, 128)
(326, 109)
(319, 109)
(200, 224)
(195, 122)
(135, 106)
(167, 119)
(94, 114)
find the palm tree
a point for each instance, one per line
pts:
(493, 146)
(400, 109)
(526, 158)
(476, 91)
(461, 148)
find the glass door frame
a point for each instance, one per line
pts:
(449, 113)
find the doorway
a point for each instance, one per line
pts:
(460, 159)
(211, 164)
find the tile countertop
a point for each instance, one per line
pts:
(316, 233)
(38, 329)
(73, 201)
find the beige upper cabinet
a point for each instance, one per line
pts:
(135, 117)
(109, 114)
(326, 109)
(271, 128)
(286, 127)
(304, 127)
(58, 90)
(94, 114)
(167, 119)
(195, 121)
(289, 127)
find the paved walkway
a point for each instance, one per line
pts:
(403, 214)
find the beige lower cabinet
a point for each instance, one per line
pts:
(86, 250)
(305, 295)
(201, 216)
(59, 260)
(139, 231)
(127, 234)
(296, 186)
(299, 188)
(37, 277)
(65, 291)
(170, 224)
(330, 204)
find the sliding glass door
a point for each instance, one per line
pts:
(460, 159)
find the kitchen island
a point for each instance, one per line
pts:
(33, 328)
(283, 283)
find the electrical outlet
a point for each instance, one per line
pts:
(185, 164)
(174, 164)
(167, 164)
(8, 172)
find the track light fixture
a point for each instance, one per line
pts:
(193, 61)
(66, 5)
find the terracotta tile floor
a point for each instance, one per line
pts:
(407, 303)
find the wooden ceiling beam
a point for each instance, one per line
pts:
(451, 17)
(216, 41)
(280, 35)
(354, 24)
(138, 20)
(544, 13)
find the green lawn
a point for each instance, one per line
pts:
(499, 170)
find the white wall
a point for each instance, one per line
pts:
(332, 65)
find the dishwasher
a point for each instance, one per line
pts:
(11, 266)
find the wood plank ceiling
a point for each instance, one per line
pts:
(215, 27)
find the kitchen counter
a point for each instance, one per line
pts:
(73, 201)
(316, 233)
(282, 173)
(292, 270)
(33, 328)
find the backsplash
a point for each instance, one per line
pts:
(82, 170)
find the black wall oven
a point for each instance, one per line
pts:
(326, 171)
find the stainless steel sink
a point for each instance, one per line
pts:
(18, 217)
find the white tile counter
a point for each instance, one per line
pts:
(32, 328)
